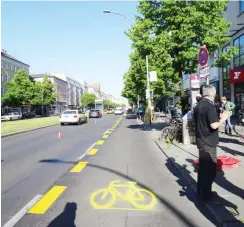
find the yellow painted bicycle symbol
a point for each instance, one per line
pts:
(140, 198)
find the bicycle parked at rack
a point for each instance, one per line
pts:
(173, 131)
(240, 124)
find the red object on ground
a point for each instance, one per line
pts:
(224, 162)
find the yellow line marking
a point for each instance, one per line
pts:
(109, 132)
(100, 142)
(139, 198)
(80, 166)
(47, 200)
(93, 151)
(105, 136)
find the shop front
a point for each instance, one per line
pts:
(237, 78)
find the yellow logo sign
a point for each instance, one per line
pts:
(139, 198)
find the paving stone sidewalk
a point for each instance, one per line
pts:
(229, 183)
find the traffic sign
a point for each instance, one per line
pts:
(203, 56)
(204, 72)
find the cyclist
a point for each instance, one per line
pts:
(139, 113)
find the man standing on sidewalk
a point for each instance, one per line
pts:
(207, 137)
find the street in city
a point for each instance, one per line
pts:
(123, 180)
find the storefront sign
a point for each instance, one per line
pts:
(236, 76)
(195, 81)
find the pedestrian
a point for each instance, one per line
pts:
(227, 105)
(207, 138)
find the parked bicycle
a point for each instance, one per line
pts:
(240, 124)
(173, 131)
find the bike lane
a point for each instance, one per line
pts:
(123, 181)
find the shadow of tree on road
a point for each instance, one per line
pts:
(66, 218)
(178, 214)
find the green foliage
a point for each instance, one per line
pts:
(88, 100)
(23, 89)
(43, 93)
(19, 90)
(225, 57)
(171, 33)
(107, 103)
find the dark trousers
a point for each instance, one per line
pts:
(207, 169)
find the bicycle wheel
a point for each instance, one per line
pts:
(147, 199)
(102, 199)
(164, 133)
(172, 134)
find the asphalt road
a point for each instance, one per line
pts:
(82, 196)
(25, 173)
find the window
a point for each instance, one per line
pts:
(241, 6)
(1, 77)
(6, 65)
(238, 58)
(15, 69)
(2, 91)
(10, 67)
(2, 64)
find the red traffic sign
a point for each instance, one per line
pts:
(203, 56)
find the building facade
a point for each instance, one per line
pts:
(9, 66)
(232, 76)
(74, 90)
(94, 91)
(61, 88)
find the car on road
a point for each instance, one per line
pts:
(130, 114)
(110, 111)
(11, 116)
(118, 111)
(95, 114)
(72, 117)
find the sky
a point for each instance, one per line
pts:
(74, 38)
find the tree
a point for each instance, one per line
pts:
(19, 91)
(171, 34)
(107, 103)
(44, 93)
(88, 99)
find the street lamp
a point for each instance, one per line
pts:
(148, 80)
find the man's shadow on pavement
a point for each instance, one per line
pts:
(227, 185)
(192, 196)
(221, 180)
(66, 218)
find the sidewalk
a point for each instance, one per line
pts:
(229, 183)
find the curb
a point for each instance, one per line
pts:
(193, 188)
(29, 130)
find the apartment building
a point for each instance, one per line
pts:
(85, 86)
(75, 89)
(94, 91)
(61, 88)
(9, 66)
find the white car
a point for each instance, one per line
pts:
(118, 111)
(11, 116)
(72, 117)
